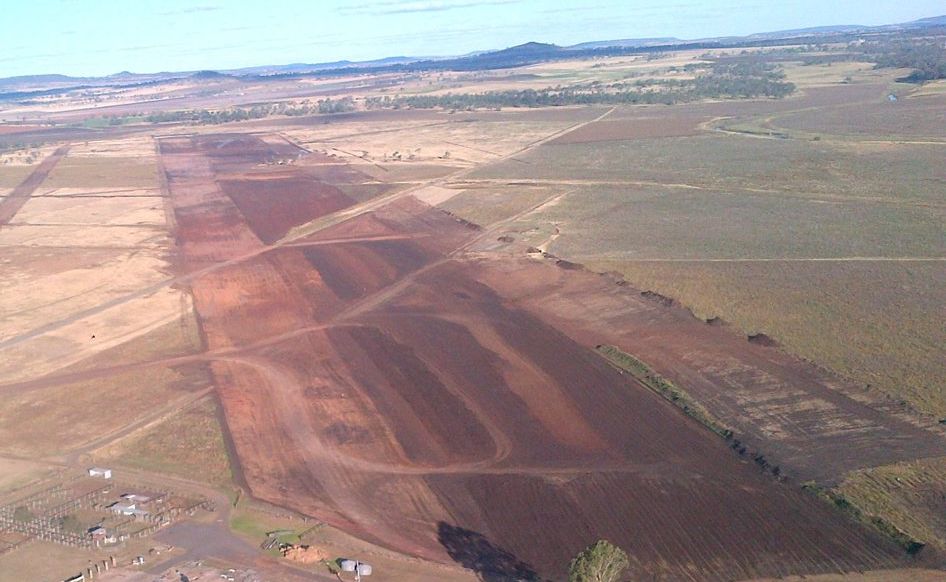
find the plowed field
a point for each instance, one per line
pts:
(382, 378)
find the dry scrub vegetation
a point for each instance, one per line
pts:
(190, 444)
(908, 495)
(53, 420)
(869, 321)
(689, 217)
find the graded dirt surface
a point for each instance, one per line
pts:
(814, 425)
(378, 376)
(273, 205)
(905, 575)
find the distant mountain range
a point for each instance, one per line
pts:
(12, 88)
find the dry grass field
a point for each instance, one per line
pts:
(487, 205)
(11, 175)
(43, 561)
(874, 322)
(902, 173)
(909, 495)
(913, 117)
(103, 171)
(833, 248)
(83, 262)
(460, 141)
(190, 443)
(15, 473)
(61, 418)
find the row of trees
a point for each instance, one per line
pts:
(213, 117)
(721, 81)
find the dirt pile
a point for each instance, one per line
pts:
(304, 554)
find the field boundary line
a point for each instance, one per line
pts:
(777, 260)
(293, 236)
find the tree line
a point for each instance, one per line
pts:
(722, 81)
(926, 56)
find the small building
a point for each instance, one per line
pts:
(136, 498)
(124, 507)
(76, 578)
(98, 533)
(100, 472)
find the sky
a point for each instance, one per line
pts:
(101, 37)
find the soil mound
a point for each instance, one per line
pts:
(762, 340)
(654, 296)
(304, 554)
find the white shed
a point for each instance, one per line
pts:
(100, 472)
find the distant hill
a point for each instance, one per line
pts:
(26, 82)
(520, 55)
(626, 42)
(812, 31)
(924, 22)
(314, 67)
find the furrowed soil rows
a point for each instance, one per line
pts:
(273, 205)
(813, 425)
(374, 377)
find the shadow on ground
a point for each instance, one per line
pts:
(474, 552)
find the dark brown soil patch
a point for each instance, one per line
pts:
(760, 339)
(273, 206)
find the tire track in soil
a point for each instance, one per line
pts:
(293, 236)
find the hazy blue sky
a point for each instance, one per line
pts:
(97, 37)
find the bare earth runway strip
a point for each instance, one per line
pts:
(439, 390)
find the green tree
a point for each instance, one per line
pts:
(71, 524)
(23, 513)
(602, 561)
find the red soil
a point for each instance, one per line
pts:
(424, 401)
(8, 129)
(810, 423)
(446, 405)
(273, 205)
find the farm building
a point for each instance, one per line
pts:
(127, 508)
(98, 533)
(101, 472)
(142, 498)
